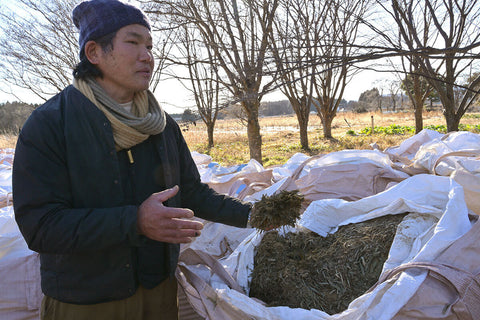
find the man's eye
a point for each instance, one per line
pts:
(132, 42)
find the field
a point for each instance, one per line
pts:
(7, 140)
(281, 139)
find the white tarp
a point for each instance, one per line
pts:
(6, 160)
(428, 154)
(20, 293)
(438, 216)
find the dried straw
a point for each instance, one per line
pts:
(280, 209)
(305, 270)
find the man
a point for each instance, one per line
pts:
(88, 175)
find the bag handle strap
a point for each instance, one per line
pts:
(463, 153)
(190, 256)
(199, 294)
(202, 297)
(466, 285)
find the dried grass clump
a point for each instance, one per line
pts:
(280, 209)
(305, 270)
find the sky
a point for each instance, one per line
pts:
(174, 97)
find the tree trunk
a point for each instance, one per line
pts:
(253, 131)
(303, 126)
(418, 114)
(210, 128)
(448, 101)
(327, 125)
(302, 112)
(446, 92)
(326, 114)
(418, 104)
(452, 120)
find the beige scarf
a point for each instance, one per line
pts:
(129, 129)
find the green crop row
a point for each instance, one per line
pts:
(472, 116)
(397, 129)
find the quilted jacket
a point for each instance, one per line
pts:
(72, 204)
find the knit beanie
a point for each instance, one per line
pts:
(97, 18)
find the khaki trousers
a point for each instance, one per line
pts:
(159, 303)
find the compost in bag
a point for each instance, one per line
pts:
(305, 270)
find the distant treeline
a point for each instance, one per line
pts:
(274, 108)
(13, 115)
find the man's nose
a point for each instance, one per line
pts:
(146, 55)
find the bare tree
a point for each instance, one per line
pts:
(39, 47)
(393, 87)
(447, 55)
(237, 34)
(335, 51)
(203, 78)
(295, 33)
(165, 38)
(417, 89)
(312, 50)
(416, 86)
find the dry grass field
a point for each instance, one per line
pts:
(281, 138)
(7, 140)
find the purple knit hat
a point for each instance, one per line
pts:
(97, 18)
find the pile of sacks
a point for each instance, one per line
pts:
(434, 261)
(434, 258)
(20, 293)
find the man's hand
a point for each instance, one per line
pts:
(161, 223)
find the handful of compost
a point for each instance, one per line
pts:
(277, 210)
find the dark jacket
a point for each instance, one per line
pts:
(71, 205)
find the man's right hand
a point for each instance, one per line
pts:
(161, 223)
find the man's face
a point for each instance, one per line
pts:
(127, 68)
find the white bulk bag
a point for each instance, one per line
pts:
(438, 218)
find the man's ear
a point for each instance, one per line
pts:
(92, 51)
